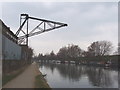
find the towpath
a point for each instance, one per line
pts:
(26, 79)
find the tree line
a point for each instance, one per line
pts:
(97, 48)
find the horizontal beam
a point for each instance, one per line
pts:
(47, 21)
(39, 32)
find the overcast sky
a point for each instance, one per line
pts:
(87, 22)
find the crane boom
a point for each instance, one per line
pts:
(43, 26)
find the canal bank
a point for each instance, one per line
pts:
(29, 78)
(40, 81)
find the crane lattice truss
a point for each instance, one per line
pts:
(43, 26)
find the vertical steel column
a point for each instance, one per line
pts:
(27, 34)
(44, 26)
(20, 20)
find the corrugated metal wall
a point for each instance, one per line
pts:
(0, 54)
(0, 40)
(11, 50)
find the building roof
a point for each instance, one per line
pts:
(7, 29)
(7, 32)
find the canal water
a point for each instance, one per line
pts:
(79, 76)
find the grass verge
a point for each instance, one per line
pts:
(41, 82)
(8, 77)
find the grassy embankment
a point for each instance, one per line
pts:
(40, 81)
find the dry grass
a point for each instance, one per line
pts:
(40, 82)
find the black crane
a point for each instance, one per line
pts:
(43, 26)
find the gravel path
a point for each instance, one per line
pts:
(25, 79)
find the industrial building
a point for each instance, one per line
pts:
(10, 49)
(13, 55)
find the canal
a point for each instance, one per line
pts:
(79, 76)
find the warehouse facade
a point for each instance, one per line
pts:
(10, 49)
(13, 56)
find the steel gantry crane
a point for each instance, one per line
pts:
(43, 26)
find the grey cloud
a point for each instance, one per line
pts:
(83, 18)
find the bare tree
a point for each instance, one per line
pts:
(119, 48)
(117, 52)
(30, 54)
(40, 56)
(52, 55)
(100, 48)
(62, 53)
(72, 51)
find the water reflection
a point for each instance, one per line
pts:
(99, 77)
(96, 76)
